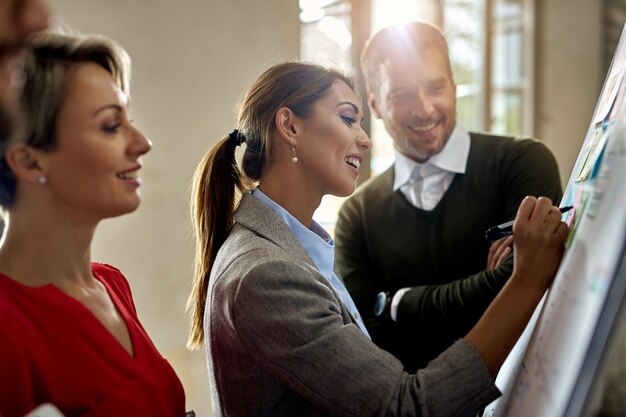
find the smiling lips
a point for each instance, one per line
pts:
(353, 161)
(422, 128)
(130, 175)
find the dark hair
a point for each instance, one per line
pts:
(48, 70)
(294, 85)
(414, 37)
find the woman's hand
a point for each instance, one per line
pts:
(539, 241)
(538, 244)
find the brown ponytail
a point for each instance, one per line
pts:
(213, 196)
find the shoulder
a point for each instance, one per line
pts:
(12, 316)
(507, 150)
(24, 348)
(503, 143)
(115, 280)
(265, 282)
(18, 305)
(252, 262)
(17, 328)
(255, 260)
(244, 248)
(110, 274)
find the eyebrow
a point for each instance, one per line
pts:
(116, 107)
(355, 108)
(441, 80)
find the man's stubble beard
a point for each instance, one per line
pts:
(407, 148)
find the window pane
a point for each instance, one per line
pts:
(463, 26)
(507, 67)
(325, 34)
(392, 12)
(507, 43)
(469, 105)
(507, 112)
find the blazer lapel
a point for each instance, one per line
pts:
(256, 216)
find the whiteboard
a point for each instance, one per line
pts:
(550, 369)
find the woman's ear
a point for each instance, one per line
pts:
(286, 127)
(23, 160)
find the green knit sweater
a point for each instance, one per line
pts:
(383, 243)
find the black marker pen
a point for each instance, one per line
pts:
(506, 229)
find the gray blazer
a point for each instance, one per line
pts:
(281, 343)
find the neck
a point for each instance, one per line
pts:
(41, 248)
(290, 193)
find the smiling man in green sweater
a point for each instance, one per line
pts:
(412, 240)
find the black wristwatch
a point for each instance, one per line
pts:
(382, 306)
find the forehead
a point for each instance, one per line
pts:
(89, 85)
(339, 92)
(414, 65)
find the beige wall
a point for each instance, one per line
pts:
(569, 75)
(191, 61)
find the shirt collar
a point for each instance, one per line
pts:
(316, 241)
(452, 158)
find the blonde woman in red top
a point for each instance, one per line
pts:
(69, 329)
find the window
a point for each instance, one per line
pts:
(326, 33)
(492, 57)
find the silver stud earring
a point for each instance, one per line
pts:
(42, 179)
(294, 157)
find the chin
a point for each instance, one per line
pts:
(421, 153)
(123, 209)
(345, 191)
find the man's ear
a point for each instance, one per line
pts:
(286, 125)
(373, 103)
(24, 161)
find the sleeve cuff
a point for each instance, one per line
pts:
(395, 301)
(459, 382)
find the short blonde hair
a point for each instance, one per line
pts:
(51, 61)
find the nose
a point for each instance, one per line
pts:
(139, 144)
(364, 142)
(31, 16)
(422, 106)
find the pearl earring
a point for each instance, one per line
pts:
(294, 157)
(42, 179)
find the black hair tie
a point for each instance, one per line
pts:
(236, 137)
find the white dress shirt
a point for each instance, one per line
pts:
(424, 184)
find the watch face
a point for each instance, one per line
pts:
(379, 305)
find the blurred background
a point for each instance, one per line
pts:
(523, 67)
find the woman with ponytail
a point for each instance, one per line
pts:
(282, 334)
